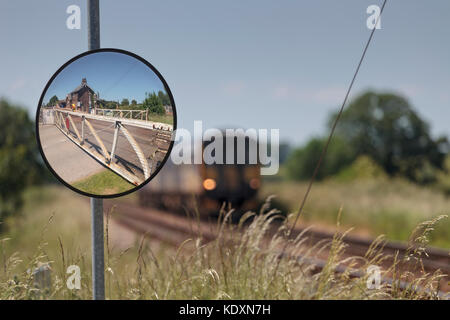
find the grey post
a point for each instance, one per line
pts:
(98, 268)
(93, 24)
(116, 136)
(82, 129)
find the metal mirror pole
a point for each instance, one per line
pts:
(98, 268)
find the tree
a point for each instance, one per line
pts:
(153, 104)
(285, 150)
(133, 102)
(301, 162)
(386, 128)
(53, 101)
(164, 97)
(20, 162)
(125, 102)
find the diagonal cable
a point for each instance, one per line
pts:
(324, 151)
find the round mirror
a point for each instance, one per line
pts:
(105, 123)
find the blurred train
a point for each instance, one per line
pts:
(205, 187)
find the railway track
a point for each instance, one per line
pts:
(436, 258)
(174, 229)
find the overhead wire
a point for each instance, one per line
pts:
(324, 150)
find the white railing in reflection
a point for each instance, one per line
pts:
(117, 113)
(63, 120)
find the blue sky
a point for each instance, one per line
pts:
(253, 64)
(113, 75)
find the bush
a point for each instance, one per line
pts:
(125, 102)
(443, 177)
(301, 163)
(20, 162)
(153, 104)
(362, 168)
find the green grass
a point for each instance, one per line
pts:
(373, 206)
(54, 229)
(165, 118)
(103, 183)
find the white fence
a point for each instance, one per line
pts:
(130, 114)
(77, 127)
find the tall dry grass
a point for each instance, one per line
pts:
(241, 263)
(386, 206)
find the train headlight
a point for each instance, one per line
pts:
(254, 183)
(209, 184)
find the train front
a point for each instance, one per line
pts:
(234, 181)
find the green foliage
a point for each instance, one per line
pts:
(20, 162)
(125, 102)
(105, 104)
(285, 150)
(153, 104)
(443, 177)
(362, 168)
(53, 101)
(385, 127)
(164, 97)
(92, 101)
(302, 161)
